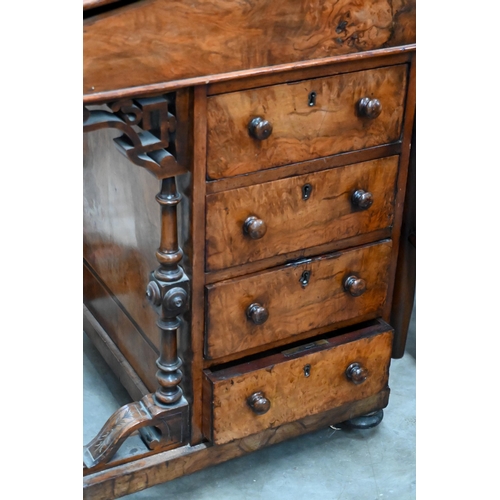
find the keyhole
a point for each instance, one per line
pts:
(312, 98)
(306, 191)
(307, 370)
(304, 279)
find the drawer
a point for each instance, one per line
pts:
(256, 222)
(270, 306)
(296, 383)
(272, 126)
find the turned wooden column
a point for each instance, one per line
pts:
(168, 291)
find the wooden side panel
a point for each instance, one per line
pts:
(402, 185)
(404, 288)
(123, 332)
(300, 131)
(291, 307)
(293, 394)
(165, 40)
(113, 357)
(121, 226)
(294, 223)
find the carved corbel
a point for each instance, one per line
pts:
(148, 129)
(162, 418)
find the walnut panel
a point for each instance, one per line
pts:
(293, 308)
(292, 393)
(157, 41)
(300, 131)
(294, 223)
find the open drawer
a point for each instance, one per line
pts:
(267, 392)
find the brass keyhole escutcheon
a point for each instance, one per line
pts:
(307, 370)
(306, 191)
(312, 99)
(304, 279)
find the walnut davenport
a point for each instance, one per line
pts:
(248, 247)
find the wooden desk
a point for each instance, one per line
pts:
(241, 282)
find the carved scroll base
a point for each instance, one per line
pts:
(161, 429)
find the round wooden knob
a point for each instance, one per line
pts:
(370, 108)
(259, 403)
(259, 129)
(355, 286)
(254, 227)
(356, 373)
(257, 314)
(153, 293)
(362, 199)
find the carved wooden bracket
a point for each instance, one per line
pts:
(166, 429)
(149, 132)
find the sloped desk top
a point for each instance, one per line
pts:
(159, 45)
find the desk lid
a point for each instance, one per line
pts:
(141, 46)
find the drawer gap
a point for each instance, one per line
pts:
(347, 334)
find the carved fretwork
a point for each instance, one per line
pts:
(163, 417)
(149, 132)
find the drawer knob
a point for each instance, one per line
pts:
(259, 129)
(356, 373)
(257, 314)
(362, 199)
(259, 403)
(355, 286)
(255, 228)
(369, 108)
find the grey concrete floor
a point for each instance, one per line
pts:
(339, 465)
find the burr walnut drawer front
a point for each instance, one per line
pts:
(296, 383)
(260, 221)
(253, 311)
(272, 126)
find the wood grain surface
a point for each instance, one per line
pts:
(125, 479)
(293, 391)
(130, 340)
(113, 357)
(401, 188)
(121, 232)
(154, 41)
(121, 227)
(406, 273)
(299, 71)
(300, 131)
(294, 223)
(293, 308)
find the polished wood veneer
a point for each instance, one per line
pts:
(156, 37)
(309, 119)
(297, 384)
(243, 292)
(292, 305)
(293, 220)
